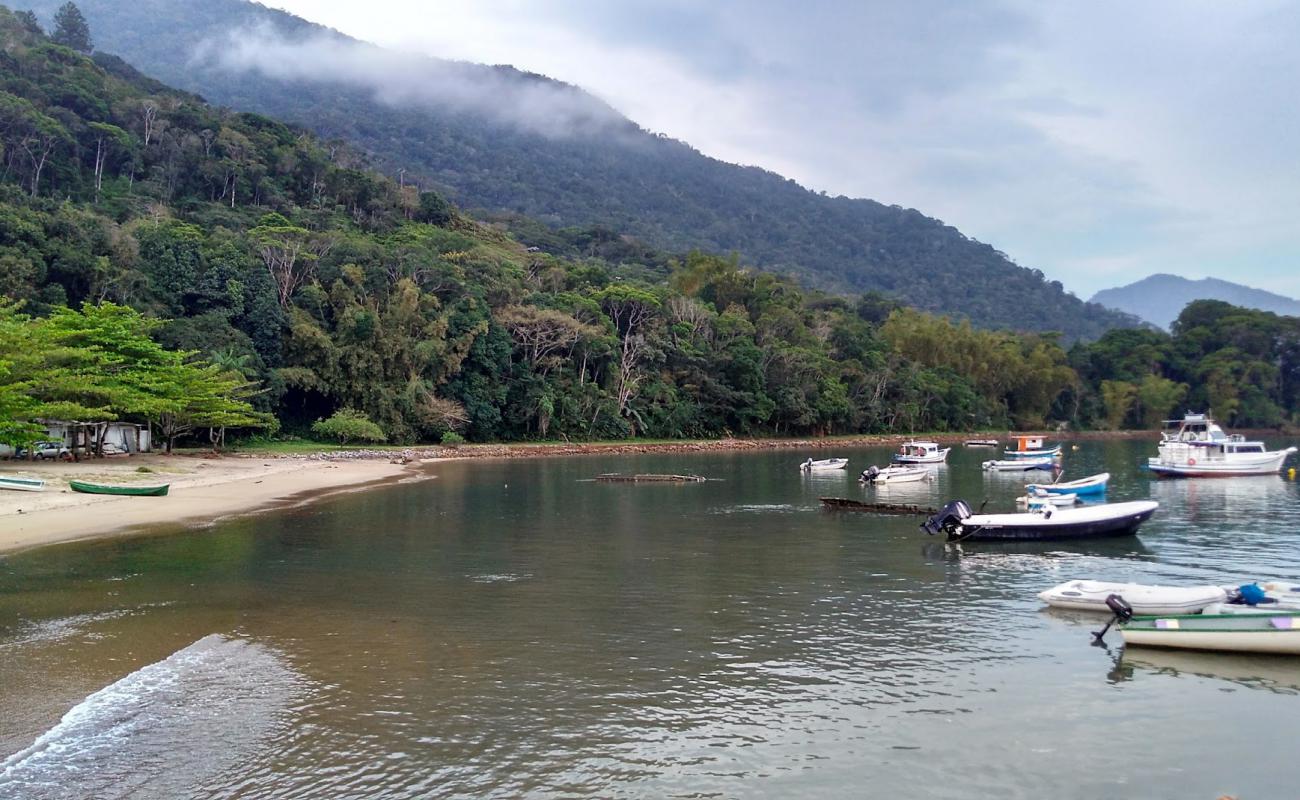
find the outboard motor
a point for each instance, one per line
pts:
(869, 474)
(948, 519)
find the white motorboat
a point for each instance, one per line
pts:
(21, 484)
(1085, 522)
(895, 474)
(1278, 632)
(1038, 500)
(1018, 464)
(824, 464)
(1083, 595)
(1199, 448)
(1030, 447)
(1093, 484)
(921, 453)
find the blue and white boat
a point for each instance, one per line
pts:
(1091, 485)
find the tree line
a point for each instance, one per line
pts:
(281, 270)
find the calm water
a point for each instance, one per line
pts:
(511, 629)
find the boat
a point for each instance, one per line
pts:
(1197, 447)
(824, 464)
(21, 484)
(1266, 597)
(1085, 595)
(127, 491)
(1019, 464)
(1093, 484)
(1085, 522)
(1036, 500)
(981, 443)
(921, 453)
(1030, 447)
(1233, 633)
(895, 474)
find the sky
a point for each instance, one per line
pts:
(1099, 142)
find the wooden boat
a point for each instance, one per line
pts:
(981, 443)
(1234, 633)
(1035, 500)
(1030, 447)
(127, 491)
(616, 477)
(921, 453)
(895, 474)
(1199, 448)
(21, 484)
(1143, 598)
(959, 524)
(845, 504)
(824, 464)
(1018, 464)
(1093, 484)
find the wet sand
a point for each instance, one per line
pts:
(203, 489)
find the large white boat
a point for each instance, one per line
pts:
(1199, 448)
(921, 453)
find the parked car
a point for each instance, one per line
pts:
(43, 450)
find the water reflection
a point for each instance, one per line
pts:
(1276, 674)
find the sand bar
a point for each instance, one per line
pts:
(203, 489)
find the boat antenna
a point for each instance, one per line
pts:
(1123, 613)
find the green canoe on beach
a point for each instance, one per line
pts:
(132, 491)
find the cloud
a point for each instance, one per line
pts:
(397, 78)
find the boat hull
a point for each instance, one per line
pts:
(1144, 599)
(1232, 633)
(1093, 485)
(1023, 465)
(1045, 453)
(121, 491)
(21, 484)
(1091, 522)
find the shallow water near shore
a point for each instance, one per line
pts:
(514, 629)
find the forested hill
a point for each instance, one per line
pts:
(507, 142)
(1159, 299)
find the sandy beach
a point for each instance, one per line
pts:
(203, 489)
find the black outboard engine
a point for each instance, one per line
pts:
(869, 474)
(948, 519)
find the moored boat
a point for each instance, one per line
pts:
(824, 464)
(1038, 500)
(959, 524)
(1093, 484)
(21, 484)
(1199, 448)
(1030, 447)
(895, 474)
(1233, 633)
(1085, 595)
(126, 491)
(921, 453)
(1018, 464)
(981, 443)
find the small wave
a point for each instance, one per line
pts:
(162, 730)
(506, 578)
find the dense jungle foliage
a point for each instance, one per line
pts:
(583, 165)
(340, 293)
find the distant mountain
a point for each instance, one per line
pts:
(1159, 299)
(505, 144)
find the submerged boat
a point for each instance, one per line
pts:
(1030, 447)
(128, 491)
(1197, 447)
(1143, 598)
(895, 474)
(1093, 484)
(21, 484)
(921, 453)
(959, 524)
(1018, 464)
(1235, 633)
(824, 464)
(981, 443)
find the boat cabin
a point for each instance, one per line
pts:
(1193, 428)
(1024, 443)
(915, 449)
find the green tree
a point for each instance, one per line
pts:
(1157, 397)
(347, 424)
(1117, 397)
(71, 29)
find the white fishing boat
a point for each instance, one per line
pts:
(1198, 447)
(921, 453)
(1030, 447)
(1018, 464)
(1037, 500)
(21, 484)
(1233, 633)
(1085, 595)
(824, 464)
(895, 474)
